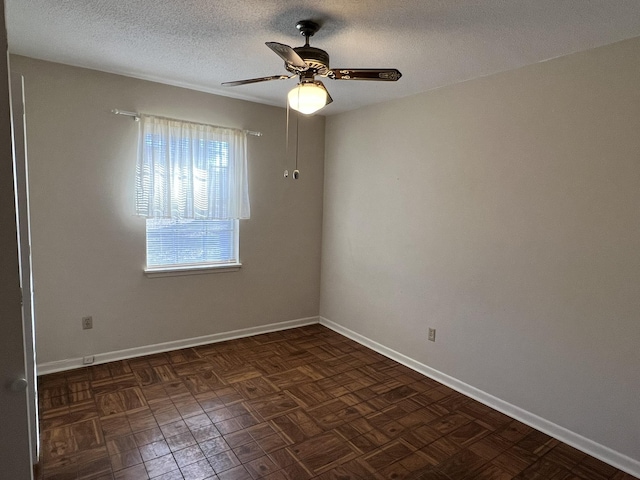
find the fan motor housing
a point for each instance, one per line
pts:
(316, 58)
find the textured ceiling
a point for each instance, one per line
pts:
(202, 43)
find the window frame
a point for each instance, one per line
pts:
(202, 267)
(197, 268)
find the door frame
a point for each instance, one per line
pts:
(15, 446)
(21, 169)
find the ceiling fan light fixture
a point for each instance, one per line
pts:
(307, 98)
(307, 62)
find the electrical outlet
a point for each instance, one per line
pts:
(432, 334)
(87, 323)
(88, 360)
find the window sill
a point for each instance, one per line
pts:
(193, 270)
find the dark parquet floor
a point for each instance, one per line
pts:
(291, 405)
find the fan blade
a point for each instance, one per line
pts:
(288, 54)
(256, 80)
(329, 99)
(380, 74)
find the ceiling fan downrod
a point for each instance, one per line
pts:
(307, 29)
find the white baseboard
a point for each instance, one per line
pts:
(72, 363)
(607, 455)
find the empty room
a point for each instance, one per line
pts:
(320, 240)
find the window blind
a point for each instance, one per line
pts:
(190, 242)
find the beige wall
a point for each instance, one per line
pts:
(89, 249)
(505, 213)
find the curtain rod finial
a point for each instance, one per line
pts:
(136, 116)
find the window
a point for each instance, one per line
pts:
(191, 243)
(191, 186)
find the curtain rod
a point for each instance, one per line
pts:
(136, 117)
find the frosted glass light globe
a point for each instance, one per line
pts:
(307, 98)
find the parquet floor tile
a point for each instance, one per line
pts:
(299, 404)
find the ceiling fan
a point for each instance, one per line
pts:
(307, 62)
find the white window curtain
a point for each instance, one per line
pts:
(191, 171)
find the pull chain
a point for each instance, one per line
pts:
(296, 172)
(286, 147)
